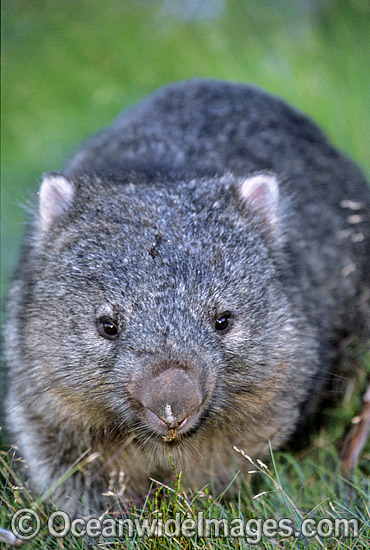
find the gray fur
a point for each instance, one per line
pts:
(152, 227)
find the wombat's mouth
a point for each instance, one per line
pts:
(170, 429)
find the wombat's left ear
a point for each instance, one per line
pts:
(260, 192)
(55, 197)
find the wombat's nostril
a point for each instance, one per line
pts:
(172, 400)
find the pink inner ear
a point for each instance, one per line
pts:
(55, 197)
(261, 194)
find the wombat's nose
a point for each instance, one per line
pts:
(172, 400)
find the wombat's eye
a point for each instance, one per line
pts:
(107, 328)
(224, 321)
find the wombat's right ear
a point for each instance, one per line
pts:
(55, 197)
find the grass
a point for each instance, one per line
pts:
(68, 68)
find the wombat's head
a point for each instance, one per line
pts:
(155, 309)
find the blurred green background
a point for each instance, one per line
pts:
(70, 66)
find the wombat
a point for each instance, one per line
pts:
(185, 285)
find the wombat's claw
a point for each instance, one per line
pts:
(355, 440)
(171, 435)
(8, 537)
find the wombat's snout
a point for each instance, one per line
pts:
(172, 401)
